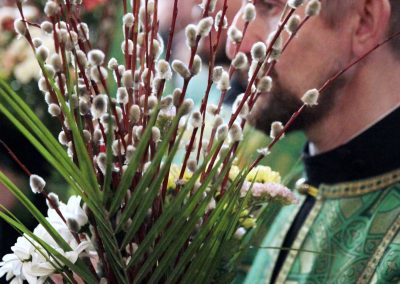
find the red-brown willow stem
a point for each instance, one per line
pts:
(324, 87)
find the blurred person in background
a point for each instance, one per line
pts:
(346, 228)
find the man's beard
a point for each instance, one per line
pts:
(280, 104)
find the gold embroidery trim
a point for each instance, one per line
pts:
(290, 258)
(379, 252)
(356, 188)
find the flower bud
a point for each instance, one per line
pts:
(224, 84)
(218, 19)
(155, 134)
(313, 8)
(192, 165)
(176, 94)
(73, 225)
(263, 151)
(112, 64)
(134, 114)
(217, 73)
(222, 132)
(278, 41)
(295, 3)
(204, 26)
(96, 57)
(152, 101)
(264, 85)
(37, 42)
(99, 106)
(81, 58)
(276, 129)
(84, 107)
(240, 61)
(46, 27)
(55, 61)
(20, 27)
(191, 35)
(53, 201)
(249, 12)
(258, 51)
(128, 20)
(54, 110)
(36, 183)
(128, 48)
(101, 161)
(235, 133)
(164, 70)
(122, 96)
(97, 75)
(130, 151)
(187, 106)
(166, 102)
(218, 121)
(62, 138)
(196, 67)
(234, 34)
(51, 8)
(293, 24)
(42, 52)
(181, 68)
(310, 97)
(97, 136)
(196, 119)
(127, 79)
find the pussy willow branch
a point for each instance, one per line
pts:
(323, 88)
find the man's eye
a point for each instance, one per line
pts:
(270, 7)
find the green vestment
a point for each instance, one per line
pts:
(351, 235)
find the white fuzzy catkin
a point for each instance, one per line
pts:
(96, 57)
(196, 119)
(218, 121)
(164, 70)
(249, 12)
(276, 129)
(112, 64)
(240, 61)
(101, 161)
(197, 64)
(53, 201)
(128, 48)
(122, 96)
(313, 8)
(278, 43)
(187, 106)
(81, 58)
(54, 110)
(99, 106)
(51, 8)
(293, 24)
(176, 95)
(128, 20)
(46, 27)
(84, 107)
(191, 34)
(310, 98)
(20, 27)
(134, 114)
(36, 183)
(223, 83)
(295, 3)
(37, 42)
(166, 102)
(258, 51)
(217, 21)
(217, 73)
(97, 75)
(62, 138)
(42, 52)
(264, 85)
(181, 68)
(222, 132)
(204, 26)
(235, 133)
(155, 134)
(234, 34)
(212, 109)
(127, 79)
(211, 6)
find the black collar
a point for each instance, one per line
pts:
(373, 152)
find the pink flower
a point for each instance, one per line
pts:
(270, 191)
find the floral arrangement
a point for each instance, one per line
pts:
(140, 212)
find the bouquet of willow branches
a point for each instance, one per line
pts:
(141, 213)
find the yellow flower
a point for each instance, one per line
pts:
(263, 174)
(249, 223)
(174, 172)
(233, 172)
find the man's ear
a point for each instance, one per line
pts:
(372, 24)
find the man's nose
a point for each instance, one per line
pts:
(248, 40)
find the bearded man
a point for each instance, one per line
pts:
(346, 228)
